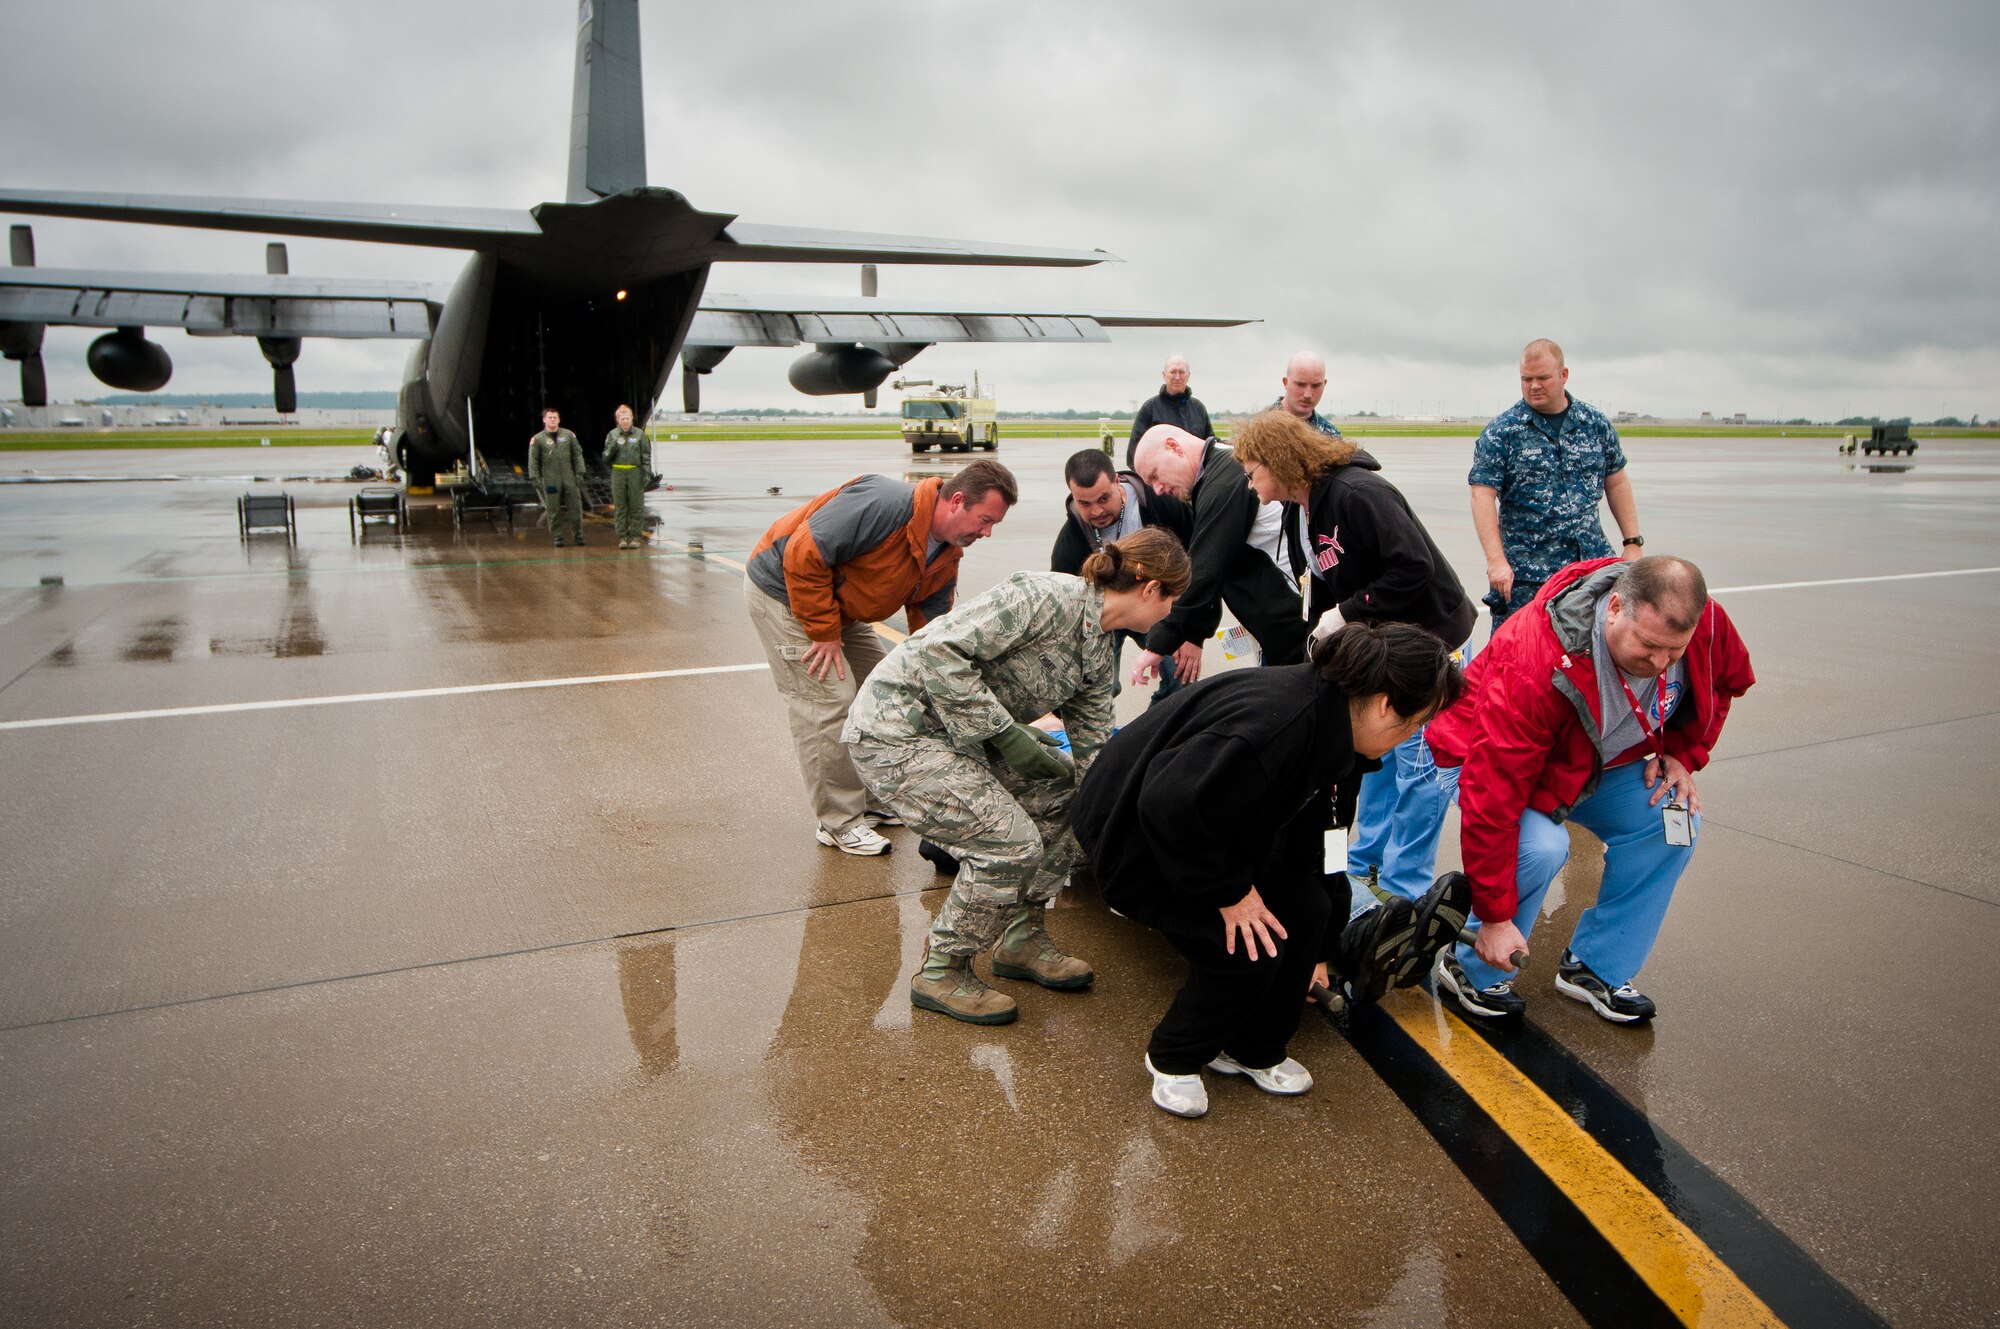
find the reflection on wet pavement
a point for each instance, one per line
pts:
(547, 1009)
(155, 640)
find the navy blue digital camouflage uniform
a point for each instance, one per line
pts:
(1549, 489)
(1316, 420)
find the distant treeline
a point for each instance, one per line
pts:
(1942, 422)
(383, 401)
(327, 401)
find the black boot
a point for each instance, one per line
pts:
(940, 857)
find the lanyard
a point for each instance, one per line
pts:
(1652, 736)
(1304, 533)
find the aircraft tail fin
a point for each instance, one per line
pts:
(607, 123)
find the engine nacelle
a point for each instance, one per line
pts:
(125, 359)
(280, 353)
(829, 371)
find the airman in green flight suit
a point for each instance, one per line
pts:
(630, 455)
(555, 468)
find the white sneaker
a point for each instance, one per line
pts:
(859, 839)
(1182, 1095)
(1287, 1077)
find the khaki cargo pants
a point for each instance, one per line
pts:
(817, 707)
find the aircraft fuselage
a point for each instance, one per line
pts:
(585, 317)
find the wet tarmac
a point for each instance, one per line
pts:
(539, 1005)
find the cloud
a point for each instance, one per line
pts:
(1790, 207)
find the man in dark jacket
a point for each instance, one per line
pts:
(1613, 682)
(1172, 405)
(1106, 504)
(1236, 545)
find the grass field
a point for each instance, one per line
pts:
(79, 440)
(84, 440)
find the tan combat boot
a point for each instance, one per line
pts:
(947, 985)
(1027, 951)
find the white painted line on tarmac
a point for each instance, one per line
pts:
(351, 697)
(1847, 581)
(348, 698)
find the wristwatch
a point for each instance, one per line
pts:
(1638, 540)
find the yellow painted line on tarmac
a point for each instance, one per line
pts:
(1690, 1279)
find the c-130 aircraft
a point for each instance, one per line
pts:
(583, 304)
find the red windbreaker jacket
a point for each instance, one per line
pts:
(1524, 734)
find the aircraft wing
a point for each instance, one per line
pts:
(383, 223)
(726, 320)
(750, 242)
(220, 305)
(649, 218)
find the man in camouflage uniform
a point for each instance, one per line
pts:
(1537, 473)
(630, 455)
(938, 735)
(555, 469)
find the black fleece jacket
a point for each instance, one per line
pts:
(1227, 784)
(1228, 570)
(1381, 565)
(1162, 408)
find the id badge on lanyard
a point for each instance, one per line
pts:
(1675, 824)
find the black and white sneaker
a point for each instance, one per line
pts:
(1621, 1005)
(1366, 951)
(1440, 915)
(881, 817)
(1491, 1003)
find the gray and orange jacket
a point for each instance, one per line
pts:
(856, 555)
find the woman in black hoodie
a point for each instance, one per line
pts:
(1362, 556)
(1205, 818)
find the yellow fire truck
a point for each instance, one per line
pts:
(950, 417)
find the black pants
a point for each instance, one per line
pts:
(1231, 1003)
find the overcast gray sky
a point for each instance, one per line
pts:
(1743, 206)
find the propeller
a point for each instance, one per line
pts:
(281, 352)
(23, 341)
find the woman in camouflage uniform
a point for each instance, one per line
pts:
(939, 734)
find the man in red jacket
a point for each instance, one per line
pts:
(1596, 704)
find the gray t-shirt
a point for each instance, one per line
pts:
(1621, 727)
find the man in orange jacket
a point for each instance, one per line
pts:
(823, 575)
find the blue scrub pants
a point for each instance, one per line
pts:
(1616, 934)
(1397, 816)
